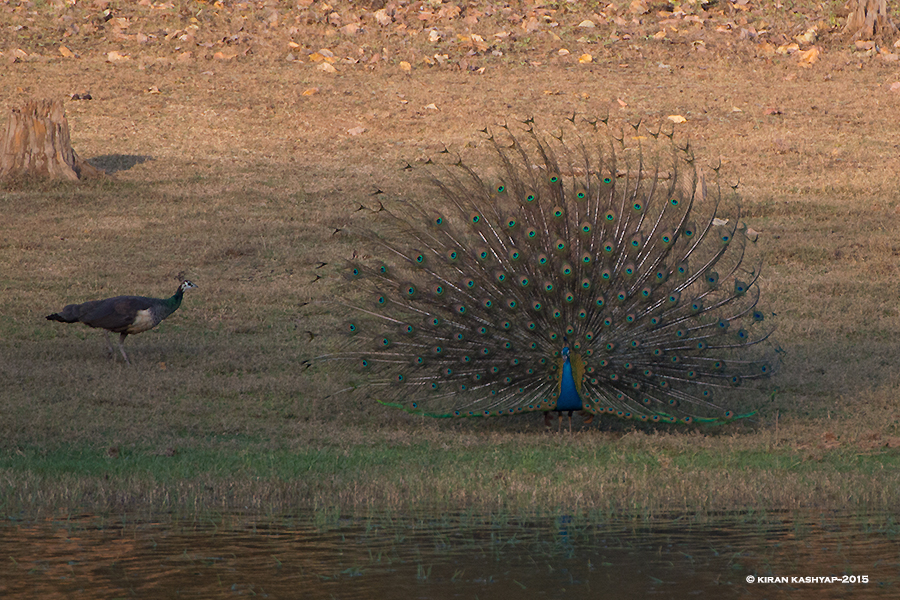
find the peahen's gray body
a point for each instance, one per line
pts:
(590, 271)
(125, 315)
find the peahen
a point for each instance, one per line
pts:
(123, 314)
(588, 272)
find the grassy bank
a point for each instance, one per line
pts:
(423, 468)
(227, 172)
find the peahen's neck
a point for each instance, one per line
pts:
(170, 305)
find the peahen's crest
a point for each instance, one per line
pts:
(585, 271)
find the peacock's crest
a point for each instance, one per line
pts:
(589, 271)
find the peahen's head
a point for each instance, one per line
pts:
(186, 285)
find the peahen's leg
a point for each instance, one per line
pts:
(122, 347)
(112, 353)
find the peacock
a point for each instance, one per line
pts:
(593, 270)
(123, 314)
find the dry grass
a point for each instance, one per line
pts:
(233, 178)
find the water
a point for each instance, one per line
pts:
(459, 556)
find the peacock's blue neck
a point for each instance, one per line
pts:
(569, 399)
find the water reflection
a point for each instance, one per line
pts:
(460, 556)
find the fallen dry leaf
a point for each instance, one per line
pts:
(787, 48)
(478, 42)
(357, 130)
(809, 36)
(449, 11)
(114, 56)
(431, 106)
(829, 441)
(383, 17)
(808, 58)
(65, 52)
(895, 87)
(310, 91)
(326, 67)
(621, 102)
(405, 66)
(765, 50)
(873, 440)
(638, 7)
(323, 55)
(677, 119)
(585, 58)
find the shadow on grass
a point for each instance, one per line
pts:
(113, 163)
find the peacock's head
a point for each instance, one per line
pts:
(186, 285)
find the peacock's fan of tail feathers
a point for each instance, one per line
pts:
(586, 270)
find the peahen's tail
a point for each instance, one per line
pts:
(588, 271)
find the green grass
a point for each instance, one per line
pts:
(415, 468)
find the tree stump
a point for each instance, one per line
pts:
(869, 20)
(37, 144)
